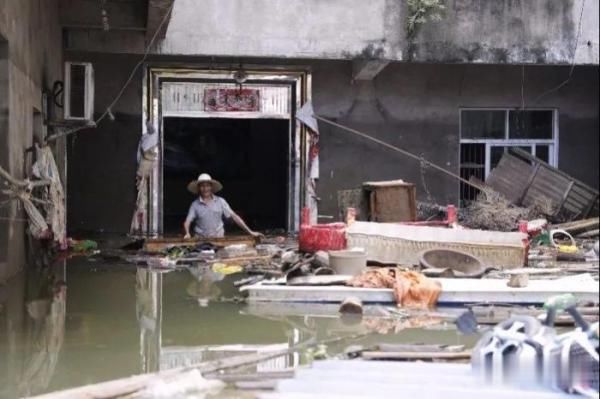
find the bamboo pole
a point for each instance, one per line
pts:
(131, 385)
(22, 183)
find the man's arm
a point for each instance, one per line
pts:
(186, 228)
(188, 221)
(240, 222)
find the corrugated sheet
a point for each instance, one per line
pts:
(186, 99)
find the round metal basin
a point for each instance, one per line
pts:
(459, 263)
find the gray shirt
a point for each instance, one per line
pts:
(208, 216)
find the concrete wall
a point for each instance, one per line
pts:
(32, 62)
(416, 107)
(511, 31)
(102, 162)
(412, 106)
(482, 31)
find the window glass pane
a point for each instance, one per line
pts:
(530, 124)
(543, 152)
(472, 164)
(483, 124)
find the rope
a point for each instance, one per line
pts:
(400, 150)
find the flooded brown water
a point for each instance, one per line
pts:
(83, 321)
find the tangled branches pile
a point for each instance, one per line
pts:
(491, 211)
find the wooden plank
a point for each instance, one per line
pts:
(589, 234)
(373, 207)
(528, 184)
(578, 226)
(510, 177)
(161, 244)
(593, 204)
(419, 348)
(545, 186)
(454, 291)
(379, 355)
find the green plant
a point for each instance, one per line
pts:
(422, 11)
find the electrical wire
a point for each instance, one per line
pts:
(523, 87)
(108, 110)
(422, 160)
(558, 87)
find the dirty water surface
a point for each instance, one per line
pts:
(82, 321)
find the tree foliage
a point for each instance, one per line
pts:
(421, 12)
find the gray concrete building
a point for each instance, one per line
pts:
(31, 59)
(459, 89)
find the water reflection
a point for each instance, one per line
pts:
(121, 320)
(148, 294)
(204, 286)
(33, 329)
(208, 289)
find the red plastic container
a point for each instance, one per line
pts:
(320, 237)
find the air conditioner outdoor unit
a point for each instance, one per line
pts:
(79, 91)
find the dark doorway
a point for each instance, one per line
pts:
(249, 156)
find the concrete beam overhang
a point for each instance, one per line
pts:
(87, 14)
(367, 69)
(157, 11)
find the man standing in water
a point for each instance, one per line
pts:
(208, 210)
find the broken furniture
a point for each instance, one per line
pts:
(527, 181)
(402, 244)
(391, 201)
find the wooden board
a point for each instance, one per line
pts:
(161, 244)
(454, 292)
(511, 177)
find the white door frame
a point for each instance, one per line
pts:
(300, 80)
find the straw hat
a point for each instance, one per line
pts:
(204, 178)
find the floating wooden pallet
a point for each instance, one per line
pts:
(161, 244)
(526, 180)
